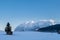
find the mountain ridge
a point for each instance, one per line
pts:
(32, 25)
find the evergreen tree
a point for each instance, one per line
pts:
(8, 29)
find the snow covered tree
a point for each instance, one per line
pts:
(8, 29)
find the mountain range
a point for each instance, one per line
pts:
(33, 26)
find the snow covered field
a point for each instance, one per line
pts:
(30, 36)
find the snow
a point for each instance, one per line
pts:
(50, 20)
(32, 25)
(30, 36)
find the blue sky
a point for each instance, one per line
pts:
(19, 11)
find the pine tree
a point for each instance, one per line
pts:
(8, 29)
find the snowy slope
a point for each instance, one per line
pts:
(30, 36)
(32, 25)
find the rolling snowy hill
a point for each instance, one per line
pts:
(32, 25)
(30, 36)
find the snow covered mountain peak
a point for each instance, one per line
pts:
(32, 25)
(50, 20)
(30, 22)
